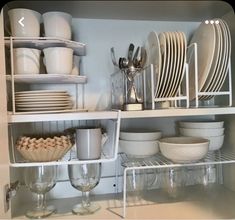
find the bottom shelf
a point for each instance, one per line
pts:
(217, 202)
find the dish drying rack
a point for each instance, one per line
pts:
(160, 162)
(145, 81)
(109, 149)
(78, 96)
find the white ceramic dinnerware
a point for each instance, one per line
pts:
(139, 149)
(58, 60)
(214, 49)
(31, 21)
(211, 130)
(184, 149)
(43, 100)
(57, 24)
(26, 61)
(140, 135)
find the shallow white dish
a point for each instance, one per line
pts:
(139, 149)
(184, 149)
(201, 124)
(201, 132)
(140, 135)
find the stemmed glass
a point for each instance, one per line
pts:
(84, 177)
(40, 180)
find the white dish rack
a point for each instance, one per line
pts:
(41, 43)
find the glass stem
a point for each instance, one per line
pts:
(41, 201)
(85, 199)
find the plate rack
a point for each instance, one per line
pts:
(198, 94)
(40, 43)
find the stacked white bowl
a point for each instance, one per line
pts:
(211, 130)
(139, 144)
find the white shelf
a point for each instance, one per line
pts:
(174, 112)
(44, 42)
(48, 78)
(95, 115)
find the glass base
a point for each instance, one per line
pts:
(81, 210)
(40, 213)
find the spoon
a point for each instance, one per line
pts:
(113, 57)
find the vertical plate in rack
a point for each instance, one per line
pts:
(166, 61)
(204, 36)
(215, 70)
(182, 43)
(154, 57)
(170, 74)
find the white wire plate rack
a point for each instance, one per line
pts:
(44, 42)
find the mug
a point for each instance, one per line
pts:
(89, 142)
(26, 61)
(58, 60)
(57, 24)
(31, 21)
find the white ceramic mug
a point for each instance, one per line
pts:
(57, 24)
(31, 22)
(89, 142)
(26, 61)
(58, 60)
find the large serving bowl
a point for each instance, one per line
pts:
(201, 132)
(139, 149)
(140, 135)
(201, 124)
(184, 149)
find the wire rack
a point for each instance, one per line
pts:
(159, 161)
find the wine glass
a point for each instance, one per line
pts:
(40, 180)
(84, 177)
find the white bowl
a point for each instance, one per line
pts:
(201, 132)
(140, 135)
(215, 142)
(184, 149)
(201, 124)
(138, 148)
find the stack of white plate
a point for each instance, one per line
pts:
(167, 52)
(139, 144)
(214, 49)
(211, 130)
(42, 100)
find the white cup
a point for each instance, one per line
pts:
(57, 24)
(26, 61)
(76, 65)
(58, 60)
(89, 142)
(31, 22)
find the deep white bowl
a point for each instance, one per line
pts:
(201, 124)
(201, 132)
(184, 149)
(140, 135)
(138, 149)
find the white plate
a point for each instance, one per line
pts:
(165, 41)
(42, 98)
(162, 41)
(170, 74)
(43, 108)
(204, 36)
(212, 77)
(154, 54)
(40, 91)
(42, 95)
(182, 47)
(52, 111)
(175, 58)
(41, 104)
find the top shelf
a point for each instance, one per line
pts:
(44, 42)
